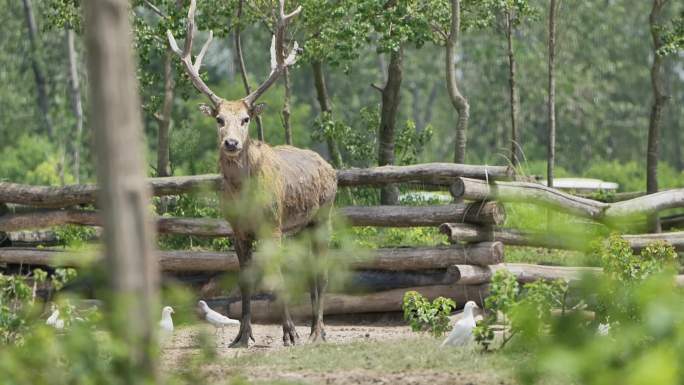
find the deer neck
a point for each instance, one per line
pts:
(237, 170)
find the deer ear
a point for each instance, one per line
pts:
(257, 109)
(207, 110)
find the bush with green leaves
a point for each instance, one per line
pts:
(18, 300)
(621, 264)
(426, 316)
(523, 311)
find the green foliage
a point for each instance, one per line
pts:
(18, 301)
(622, 265)
(503, 292)
(410, 142)
(74, 236)
(426, 316)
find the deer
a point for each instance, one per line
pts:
(296, 187)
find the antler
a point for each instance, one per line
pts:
(186, 55)
(279, 61)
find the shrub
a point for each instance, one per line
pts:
(423, 315)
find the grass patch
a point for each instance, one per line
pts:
(419, 354)
(540, 256)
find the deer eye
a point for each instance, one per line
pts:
(245, 121)
(220, 121)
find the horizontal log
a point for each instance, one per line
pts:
(640, 241)
(65, 196)
(415, 216)
(383, 216)
(672, 222)
(429, 173)
(525, 273)
(393, 259)
(524, 192)
(468, 233)
(420, 258)
(461, 232)
(380, 280)
(267, 310)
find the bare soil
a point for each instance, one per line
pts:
(185, 345)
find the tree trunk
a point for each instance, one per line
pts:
(659, 100)
(132, 266)
(551, 102)
(164, 119)
(286, 107)
(76, 101)
(515, 135)
(326, 108)
(239, 57)
(459, 102)
(390, 104)
(38, 71)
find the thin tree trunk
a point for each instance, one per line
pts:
(76, 101)
(389, 195)
(164, 119)
(286, 107)
(38, 71)
(326, 108)
(551, 102)
(132, 267)
(457, 99)
(239, 57)
(430, 104)
(659, 100)
(515, 135)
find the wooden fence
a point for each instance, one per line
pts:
(472, 223)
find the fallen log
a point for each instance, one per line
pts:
(414, 216)
(523, 192)
(461, 232)
(525, 273)
(468, 233)
(393, 259)
(65, 196)
(382, 216)
(672, 222)
(639, 242)
(266, 310)
(429, 173)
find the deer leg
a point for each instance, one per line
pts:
(244, 252)
(318, 286)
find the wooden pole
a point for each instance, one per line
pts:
(129, 236)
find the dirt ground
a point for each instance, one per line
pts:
(249, 363)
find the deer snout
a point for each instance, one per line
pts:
(231, 145)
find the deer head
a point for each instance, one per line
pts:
(233, 116)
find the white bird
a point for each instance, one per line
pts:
(603, 329)
(462, 333)
(54, 320)
(218, 320)
(166, 324)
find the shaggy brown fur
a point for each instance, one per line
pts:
(267, 191)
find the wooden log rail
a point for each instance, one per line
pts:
(387, 259)
(468, 233)
(525, 192)
(429, 173)
(488, 213)
(526, 273)
(267, 310)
